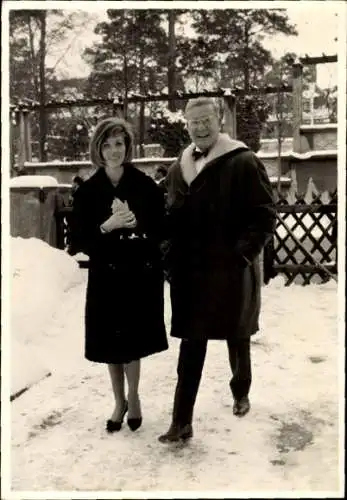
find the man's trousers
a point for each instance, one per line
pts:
(189, 370)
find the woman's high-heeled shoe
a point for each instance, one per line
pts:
(134, 423)
(116, 425)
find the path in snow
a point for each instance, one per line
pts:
(287, 442)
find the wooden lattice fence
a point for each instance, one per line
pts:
(305, 240)
(304, 243)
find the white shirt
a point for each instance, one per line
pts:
(200, 163)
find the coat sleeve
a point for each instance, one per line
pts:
(259, 208)
(171, 189)
(84, 225)
(152, 218)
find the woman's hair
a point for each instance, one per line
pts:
(109, 127)
(77, 180)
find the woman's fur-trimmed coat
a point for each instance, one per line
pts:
(124, 312)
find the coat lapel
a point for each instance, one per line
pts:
(223, 146)
(188, 168)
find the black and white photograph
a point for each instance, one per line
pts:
(173, 249)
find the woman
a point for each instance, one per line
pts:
(117, 220)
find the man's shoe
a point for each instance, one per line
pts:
(177, 433)
(241, 406)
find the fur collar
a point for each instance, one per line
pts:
(223, 146)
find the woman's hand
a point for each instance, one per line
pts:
(122, 219)
(119, 206)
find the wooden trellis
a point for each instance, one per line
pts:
(120, 103)
(303, 245)
(20, 110)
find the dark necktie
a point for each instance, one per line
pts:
(199, 154)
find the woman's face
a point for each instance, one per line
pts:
(113, 150)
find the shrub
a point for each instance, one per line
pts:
(251, 114)
(169, 130)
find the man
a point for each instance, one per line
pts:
(220, 213)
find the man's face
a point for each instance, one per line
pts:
(203, 125)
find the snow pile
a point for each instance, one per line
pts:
(40, 276)
(38, 181)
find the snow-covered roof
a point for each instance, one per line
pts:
(310, 155)
(30, 181)
(57, 163)
(263, 155)
(284, 179)
(319, 126)
(323, 153)
(154, 160)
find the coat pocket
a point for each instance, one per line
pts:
(250, 292)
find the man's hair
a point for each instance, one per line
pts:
(202, 101)
(108, 128)
(77, 180)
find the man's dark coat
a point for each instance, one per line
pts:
(219, 223)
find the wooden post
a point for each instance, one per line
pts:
(229, 117)
(27, 121)
(22, 148)
(297, 105)
(43, 121)
(13, 133)
(117, 108)
(24, 139)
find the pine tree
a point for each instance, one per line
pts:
(235, 38)
(133, 48)
(32, 34)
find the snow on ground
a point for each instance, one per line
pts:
(288, 442)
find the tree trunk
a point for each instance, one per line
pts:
(171, 84)
(246, 70)
(125, 73)
(33, 59)
(42, 100)
(142, 105)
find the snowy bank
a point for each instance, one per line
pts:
(40, 276)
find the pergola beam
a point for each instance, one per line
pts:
(136, 98)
